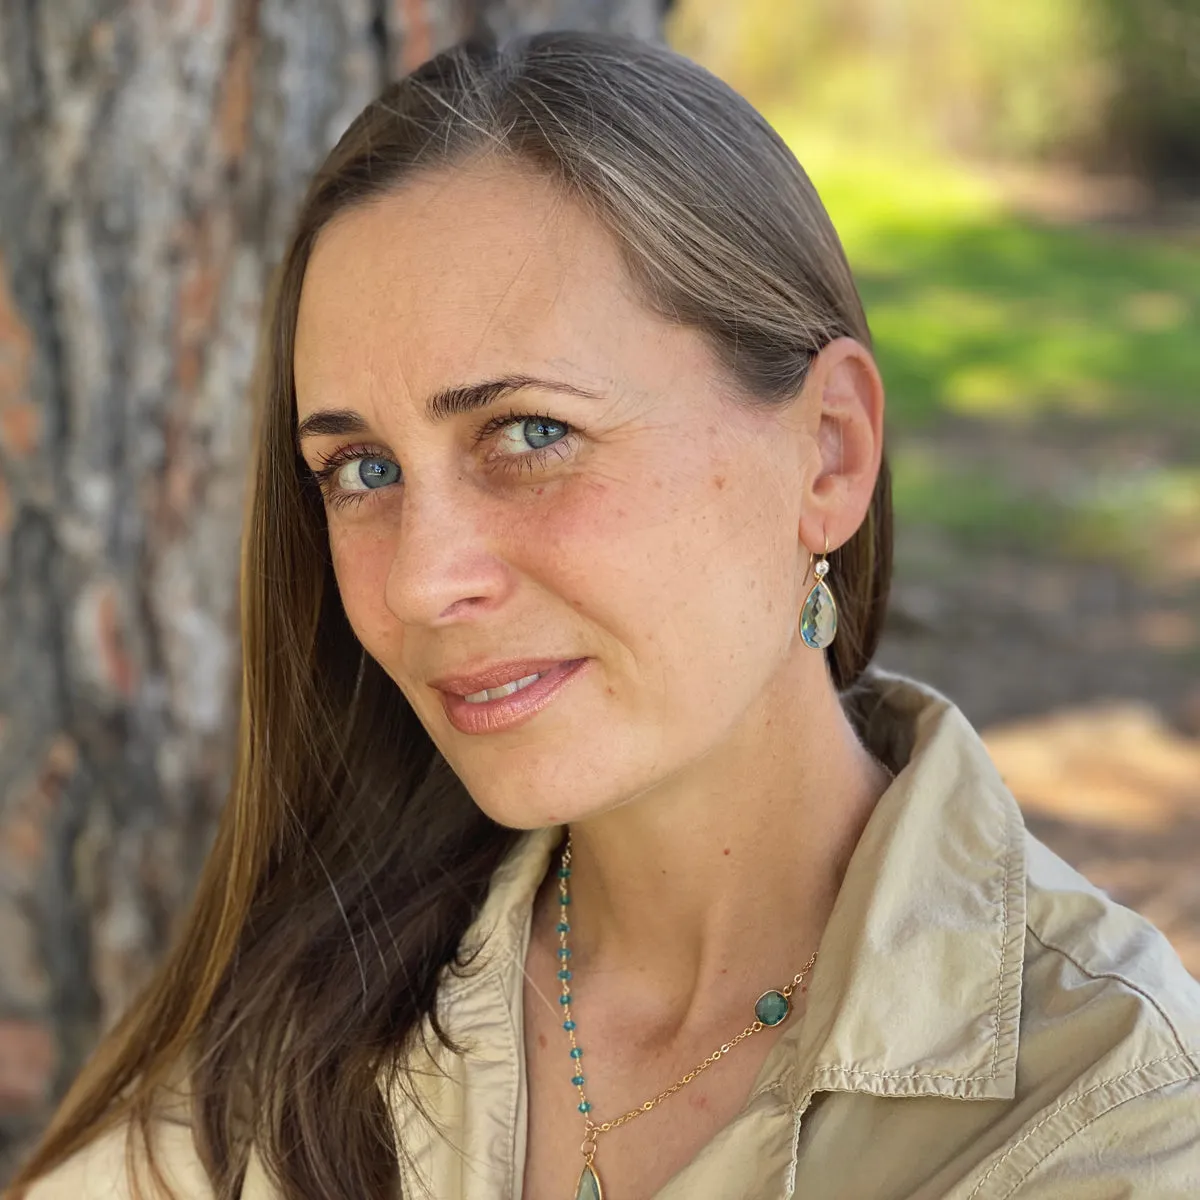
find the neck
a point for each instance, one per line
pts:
(690, 901)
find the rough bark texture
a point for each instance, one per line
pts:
(151, 156)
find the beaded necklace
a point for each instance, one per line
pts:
(770, 1009)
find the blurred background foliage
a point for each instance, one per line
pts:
(1015, 183)
(1115, 82)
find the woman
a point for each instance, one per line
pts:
(575, 848)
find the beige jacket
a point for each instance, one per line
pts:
(982, 1023)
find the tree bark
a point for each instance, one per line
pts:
(151, 156)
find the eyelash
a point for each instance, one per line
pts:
(330, 463)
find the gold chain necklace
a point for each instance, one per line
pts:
(770, 1009)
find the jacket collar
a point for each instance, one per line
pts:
(917, 987)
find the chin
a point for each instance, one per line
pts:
(523, 811)
(537, 786)
(521, 815)
(522, 807)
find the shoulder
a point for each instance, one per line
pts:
(1086, 951)
(101, 1169)
(1109, 1058)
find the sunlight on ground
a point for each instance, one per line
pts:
(1117, 765)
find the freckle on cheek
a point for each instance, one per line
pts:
(719, 482)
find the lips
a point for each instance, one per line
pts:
(509, 711)
(495, 675)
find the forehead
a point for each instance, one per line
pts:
(463, 271)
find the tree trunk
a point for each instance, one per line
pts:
(151, 156)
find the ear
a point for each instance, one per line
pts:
(845, 398)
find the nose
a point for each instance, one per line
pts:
(446, 561)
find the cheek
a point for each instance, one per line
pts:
(360, 564)
(691, 551)
(608, 546)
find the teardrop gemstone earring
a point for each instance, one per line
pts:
(818, 618)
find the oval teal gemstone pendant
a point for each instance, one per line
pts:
(772, 1007)
(589, 1186)
(818, 618)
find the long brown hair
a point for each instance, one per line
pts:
(349, 859)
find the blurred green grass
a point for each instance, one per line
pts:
(986, 320)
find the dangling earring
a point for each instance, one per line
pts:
(818, 618)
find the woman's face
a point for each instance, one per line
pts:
(646, 523)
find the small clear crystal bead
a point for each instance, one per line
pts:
(821, 569)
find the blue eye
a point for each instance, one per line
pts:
(374, 472)
(366, 473)
(540, 432)
(527, 441)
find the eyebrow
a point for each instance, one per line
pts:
(441, 406)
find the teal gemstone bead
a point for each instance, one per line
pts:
(818, 618)
(563, 952)
(568, 1025)
(589, 1186)
(577, 1080)
(564, 899)
(771, 1008)
(565, 998)
(585, 1107)
(576, 1052)
(563, 927)
(564, 974)
(564, 872)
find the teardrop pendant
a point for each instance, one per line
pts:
(818, 618)
(589, 1185)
